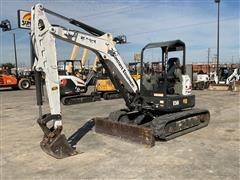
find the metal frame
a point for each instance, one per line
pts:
(167, 46)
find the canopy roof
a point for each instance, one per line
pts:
(175, 45)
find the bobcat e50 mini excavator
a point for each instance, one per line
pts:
(153, 110)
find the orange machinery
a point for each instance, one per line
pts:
(15, 82)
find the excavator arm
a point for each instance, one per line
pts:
(43, 39)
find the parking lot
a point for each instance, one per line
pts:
(209, 153)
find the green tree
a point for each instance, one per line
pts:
(7, 65)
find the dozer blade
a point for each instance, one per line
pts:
(134, 133)
(57, 147)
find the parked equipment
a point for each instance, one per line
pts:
(162, 108)
(227, 80)
(14, 81)
(200, 81)
(234, 77)
(227, 75)
(75, 79)
(72, 88)
(104, 86)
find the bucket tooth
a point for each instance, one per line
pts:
(129, 132)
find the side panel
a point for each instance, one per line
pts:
(7, 80)
(171, 103)
(105, 85)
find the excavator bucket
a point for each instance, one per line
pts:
(57, 147)
(54, 143)
(130, 132)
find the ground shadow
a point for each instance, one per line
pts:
(82, 131)
(3, 89)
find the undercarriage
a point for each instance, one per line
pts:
(142, 127)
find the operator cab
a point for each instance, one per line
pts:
(164, 83)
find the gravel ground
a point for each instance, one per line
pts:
(209, 153)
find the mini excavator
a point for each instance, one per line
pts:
(73, 89)
(162, 107)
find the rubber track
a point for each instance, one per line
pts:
(183, 122)
(110, 96)
(69, 100)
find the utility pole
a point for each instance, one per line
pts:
(15, 54)
(208, 61)
(218, 4)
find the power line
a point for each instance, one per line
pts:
(107, 12)
(114, 11)
(178, 27)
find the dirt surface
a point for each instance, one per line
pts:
(209, 153)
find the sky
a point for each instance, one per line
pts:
(143, 22)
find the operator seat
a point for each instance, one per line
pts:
(174, 76)
(171, 67)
